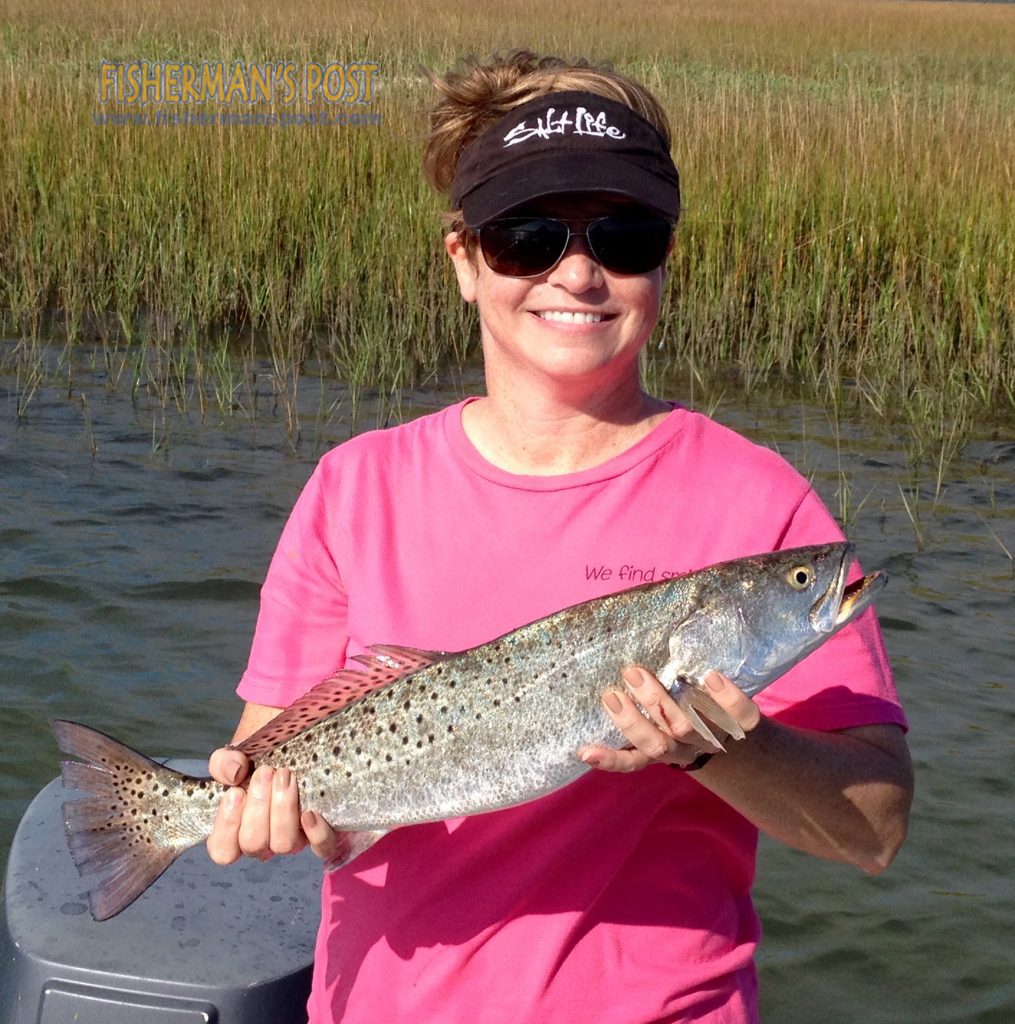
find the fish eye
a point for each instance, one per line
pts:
(800, 577)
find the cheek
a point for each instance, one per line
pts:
(646, 297)
(498, 296)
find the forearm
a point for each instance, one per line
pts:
(843, 796)
(254, 716)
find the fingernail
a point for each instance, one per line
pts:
(634, 676)
(282, 779)
(233, 799)
(714, 681)
(591, 760)
(310, 819)
(612, 702)
(233, 774)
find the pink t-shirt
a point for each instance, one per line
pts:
(620, 898)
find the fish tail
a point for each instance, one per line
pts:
(131, 825)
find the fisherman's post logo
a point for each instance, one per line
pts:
(166, 93)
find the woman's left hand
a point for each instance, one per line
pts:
(666, 736)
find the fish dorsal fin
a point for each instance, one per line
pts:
(408, 659)
(383, 667)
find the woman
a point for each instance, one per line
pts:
(619, 898)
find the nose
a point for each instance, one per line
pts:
(578, 270)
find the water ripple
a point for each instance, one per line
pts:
(128, 593)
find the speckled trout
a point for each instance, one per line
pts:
(411, 736)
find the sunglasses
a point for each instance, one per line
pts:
(531, 246)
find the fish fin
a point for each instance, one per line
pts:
(350, 846)
(333, 694)
(694, 701)
(102, 834)
(409, 659)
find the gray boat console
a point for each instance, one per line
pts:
(204, 944)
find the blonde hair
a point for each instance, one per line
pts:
(480, 94)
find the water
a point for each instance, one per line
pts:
(133, 540)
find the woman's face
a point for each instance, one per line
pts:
(577, 323)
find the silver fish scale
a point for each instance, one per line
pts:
(493, 726)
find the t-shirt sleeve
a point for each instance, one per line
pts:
(847, 682)
(300, 637)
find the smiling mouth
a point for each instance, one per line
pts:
(561, 317)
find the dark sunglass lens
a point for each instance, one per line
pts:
(522, 247)
(630, 245)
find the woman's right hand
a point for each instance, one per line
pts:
(264, 818)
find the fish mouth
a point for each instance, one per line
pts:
(840, 604)
(858, 596)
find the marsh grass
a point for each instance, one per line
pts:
(846, 169)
